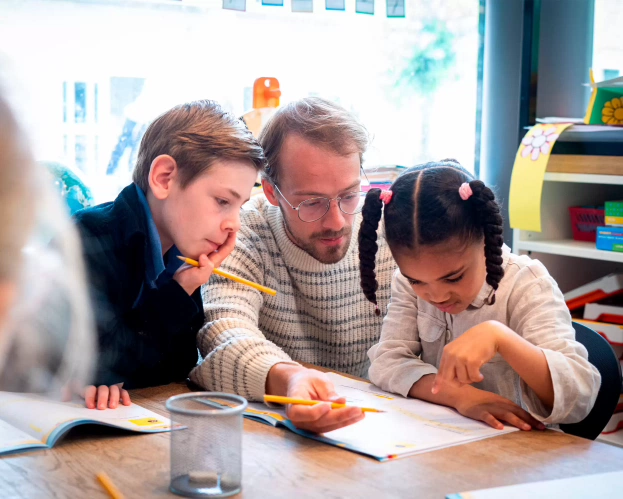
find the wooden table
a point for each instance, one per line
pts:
(280, 464)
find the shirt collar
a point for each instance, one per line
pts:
(154, 261)
(486, 289)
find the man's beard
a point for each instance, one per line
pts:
(331, 254)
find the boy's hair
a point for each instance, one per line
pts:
(196, 134)
(318, 121)
(426, 209)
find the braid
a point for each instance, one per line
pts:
(372, 210)
(483, 201)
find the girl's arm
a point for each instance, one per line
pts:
(558, 383)
(528, 361)
(463, 358)
(395, 360)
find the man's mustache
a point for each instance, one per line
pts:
(330, 234)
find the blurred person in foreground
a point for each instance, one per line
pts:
(46, 332)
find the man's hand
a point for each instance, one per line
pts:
(300, 382)
(190, 278)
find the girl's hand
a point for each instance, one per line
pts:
(103, 397)
(190, 278)
(492, 409)
(462, 358)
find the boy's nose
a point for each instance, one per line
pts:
(232, 224)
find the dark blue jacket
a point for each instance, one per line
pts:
(146, 342)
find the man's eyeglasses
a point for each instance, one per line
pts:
(314, 209)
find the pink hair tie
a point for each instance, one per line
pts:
(386, 196)
(465, 191)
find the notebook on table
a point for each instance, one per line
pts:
(29, 422)
(408, 426)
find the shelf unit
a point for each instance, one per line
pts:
(572, 180)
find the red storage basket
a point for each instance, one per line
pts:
(585, 220)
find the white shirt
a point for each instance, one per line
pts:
(529, 302)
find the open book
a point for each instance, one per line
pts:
(32, 422)
(408, 426)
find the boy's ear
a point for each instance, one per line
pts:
(162, 173)
(269, 192)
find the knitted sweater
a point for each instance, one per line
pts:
(319, 315)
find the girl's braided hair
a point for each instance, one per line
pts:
(426, 209)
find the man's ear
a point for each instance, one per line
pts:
(162, 173)
(269, 192)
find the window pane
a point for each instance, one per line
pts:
(97, 75)
(607, 46)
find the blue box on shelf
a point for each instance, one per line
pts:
(610, 238)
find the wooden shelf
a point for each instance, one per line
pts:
(569, 247)
(595, 165)
(583, 178)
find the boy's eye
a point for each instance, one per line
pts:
(222, 202)
(455, 279)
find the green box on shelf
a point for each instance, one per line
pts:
(606, 104)
(614, 213)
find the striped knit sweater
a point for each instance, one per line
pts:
(319, 315)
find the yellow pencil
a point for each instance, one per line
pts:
(235, 278)
(109, 486)
(288, 400)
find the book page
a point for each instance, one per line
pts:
(12, 439)
(47, 420)
(409, 426)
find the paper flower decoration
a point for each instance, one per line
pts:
(612, 112)
(540, 142)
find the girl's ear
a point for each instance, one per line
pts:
(163, 173)
(269, 192)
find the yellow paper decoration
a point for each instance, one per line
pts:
(529, 174)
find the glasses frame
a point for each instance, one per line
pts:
(337, 198)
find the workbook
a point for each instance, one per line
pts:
(407, 427)
(30, 422)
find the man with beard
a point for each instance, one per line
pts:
(300, 239)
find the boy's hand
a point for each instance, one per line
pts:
(462, 358)
(190, 278)
(103, 397)
(492, 409)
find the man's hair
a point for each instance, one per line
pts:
(318, 121)
(195, 135)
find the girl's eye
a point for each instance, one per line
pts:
(222, 202)
(413, 282)
(455, 279)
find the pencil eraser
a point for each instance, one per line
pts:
(206, 478)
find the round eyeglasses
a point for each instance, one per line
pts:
(314, 209)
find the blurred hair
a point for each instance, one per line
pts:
(46, 332)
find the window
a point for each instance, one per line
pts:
(607, 47)
(92, 74)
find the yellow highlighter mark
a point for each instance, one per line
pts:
(146, 422)
(36, 428)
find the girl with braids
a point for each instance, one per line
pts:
(470, 325)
